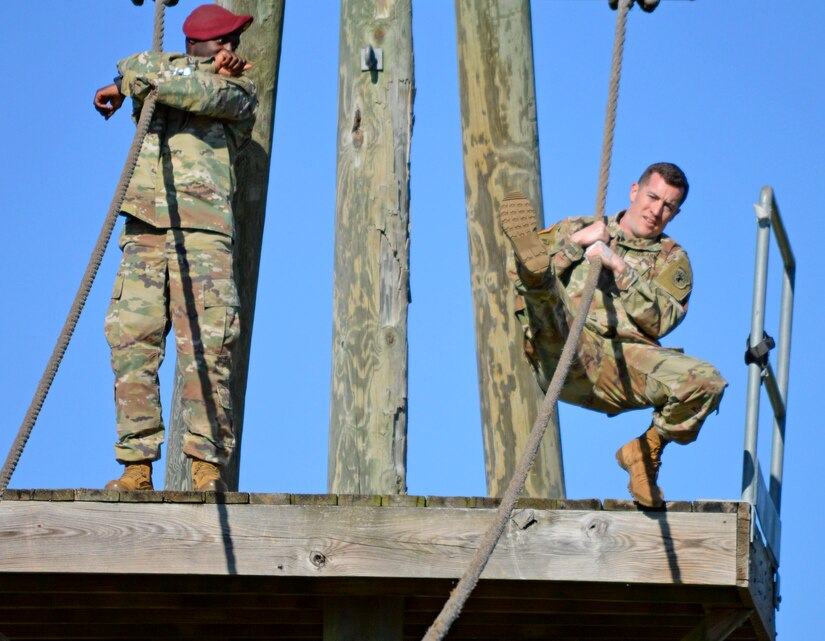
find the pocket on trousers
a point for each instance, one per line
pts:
(111, 324)
(117, 289)
(220, 310)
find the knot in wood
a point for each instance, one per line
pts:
(357, 134)
(595, 527)
(389, 337)
(318, 559)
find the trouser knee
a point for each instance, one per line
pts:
(683, 416)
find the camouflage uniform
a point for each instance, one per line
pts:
(619, 364)
(177, 263)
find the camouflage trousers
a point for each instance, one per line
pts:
(614, 376)
(180, 278)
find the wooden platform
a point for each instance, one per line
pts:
(87, 564)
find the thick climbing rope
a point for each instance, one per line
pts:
(72, 318)
(461, 592)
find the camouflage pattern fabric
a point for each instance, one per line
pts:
(184, 175)
(185, 278)
(177, 255)
(619, 363)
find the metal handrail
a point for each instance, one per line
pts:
(768, 503)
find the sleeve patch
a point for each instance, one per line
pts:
(676, 279)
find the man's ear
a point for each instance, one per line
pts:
(634, 189)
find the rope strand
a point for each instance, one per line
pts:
(85, 287)
(458, 597)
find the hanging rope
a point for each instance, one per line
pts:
(70, 323)
(458, 597)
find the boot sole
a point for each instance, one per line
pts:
(122, 487)
(518, 222)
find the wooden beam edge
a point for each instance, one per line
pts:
(355, 500)
(755, 575)
(331, 540)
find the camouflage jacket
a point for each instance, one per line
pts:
(646, 302)
(185, 171)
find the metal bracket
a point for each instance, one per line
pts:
(646, 5)
(762, 214)
(372, 59)
(758, 354)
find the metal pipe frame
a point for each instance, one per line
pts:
(783, 357)
(760, 286)
(776, 384)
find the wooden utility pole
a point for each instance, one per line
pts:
(261, 44)
(500, 136)
(368, 409)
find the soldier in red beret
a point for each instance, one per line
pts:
(177, 243)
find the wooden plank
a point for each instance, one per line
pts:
(759, 591)
(660, 620)
(718, 625)
(368, 407)
(469, 630)
(139, 630)
(52, 585)
(161, 615)
(337, 541)
(261, 43)
(22, 604)
(388, 500)
(546, 606)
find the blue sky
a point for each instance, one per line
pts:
(731, 90)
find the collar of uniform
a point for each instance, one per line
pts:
(639, 244)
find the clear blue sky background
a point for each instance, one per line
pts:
(729, 89)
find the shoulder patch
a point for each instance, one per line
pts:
(676, 278)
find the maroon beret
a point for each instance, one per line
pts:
(209, 21)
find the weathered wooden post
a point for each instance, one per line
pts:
(261, 44)
(368, 408)
(500, 137)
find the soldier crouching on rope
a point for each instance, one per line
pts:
(642, 295)
(177, 266)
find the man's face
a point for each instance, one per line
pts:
(208, 48)
(652, 206)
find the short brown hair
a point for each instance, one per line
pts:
(671, 174)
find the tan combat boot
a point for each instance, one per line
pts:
(136, 476)
(518, 222)
(206, 477)
(641, 458)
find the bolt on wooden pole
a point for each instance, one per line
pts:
(368, 408)
(261, 44)
(500, 139)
